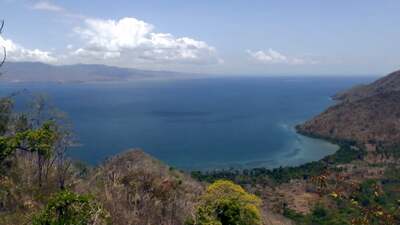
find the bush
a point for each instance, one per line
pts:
(226, 203)
(68, 208)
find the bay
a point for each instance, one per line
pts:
(197, 123)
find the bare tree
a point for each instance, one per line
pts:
(64, 141)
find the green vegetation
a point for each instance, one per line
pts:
(389, 152)
(226, 203)
(38, 141)
(68, 208)
(373, 202)
(319, 216)
(345, 154)
(32, 159)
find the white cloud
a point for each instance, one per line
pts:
(47, 6)
(130, 40)
(270, 56)
(274, 57)
(16, 52)
(126, 42)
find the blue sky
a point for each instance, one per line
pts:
(340, 37)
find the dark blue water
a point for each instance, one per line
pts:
(199, 123)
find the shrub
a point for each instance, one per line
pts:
(68, 208)
(226, 203)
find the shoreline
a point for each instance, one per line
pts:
(298, 156)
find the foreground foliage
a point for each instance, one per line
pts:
(226, 203)
(68, 208)
(373, 202)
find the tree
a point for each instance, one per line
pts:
(39, 141)
(6, 106)
(68, 208)
(39, 117)
(42, 111)
(64, 140)
(226, 203)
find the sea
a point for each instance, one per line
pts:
(197, 124)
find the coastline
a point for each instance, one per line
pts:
(303, 150)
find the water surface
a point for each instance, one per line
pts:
(199, 123)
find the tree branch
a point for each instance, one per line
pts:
(4, 56)
(1, 26)
(4, 48)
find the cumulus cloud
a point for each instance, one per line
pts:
(274, 57)
(131, 40)
(125, 42)
(47, 6)
(16, 52)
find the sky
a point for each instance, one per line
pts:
(308, 37)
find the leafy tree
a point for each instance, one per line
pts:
(226, 203)
(39, 141)
(42, 111)
(68, 208)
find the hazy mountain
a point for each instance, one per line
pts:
(38, 72)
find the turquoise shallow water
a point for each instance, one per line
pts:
(199, 123)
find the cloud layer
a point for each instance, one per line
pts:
(274, 57)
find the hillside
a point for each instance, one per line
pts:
(135, 188)
(368, 114)
(385, 84)
(373, 119)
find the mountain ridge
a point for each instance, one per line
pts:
(75, 73)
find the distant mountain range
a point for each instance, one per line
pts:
(40, 72)
(366, 114)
